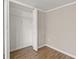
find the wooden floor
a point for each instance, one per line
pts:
(42, 53)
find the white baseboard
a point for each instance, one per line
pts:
(57, 50)
(61, 51)
(25, 46)
(19, 48)
(41, 46)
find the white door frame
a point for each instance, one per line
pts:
(6, 30)
(35, 30)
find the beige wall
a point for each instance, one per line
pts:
(60, 29)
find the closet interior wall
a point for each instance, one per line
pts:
(20, 26)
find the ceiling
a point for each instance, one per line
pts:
(46, 4)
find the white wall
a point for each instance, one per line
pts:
(41, 28)
(20, 27)
(60, 29)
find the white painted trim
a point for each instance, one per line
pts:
(35, 30)
(6, 30)
(61, 51)
(26, 5)
(61, 6)
(41, 10)
(32, 7)
(41, 46)
(20, 48)
(25, 47)
(20, 3)
(57, 50)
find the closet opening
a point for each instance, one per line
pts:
(22, 26)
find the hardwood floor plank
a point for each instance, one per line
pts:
(42, 53)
